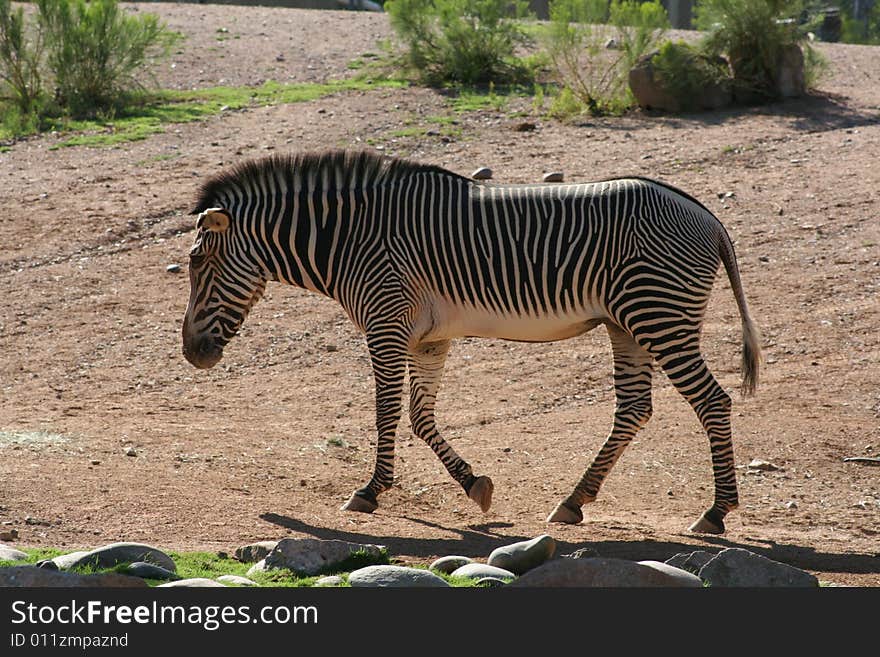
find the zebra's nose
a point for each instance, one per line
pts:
(203, 352)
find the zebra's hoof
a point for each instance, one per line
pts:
(481, 492)
(359, 504)
(706, 526)
(565, 514)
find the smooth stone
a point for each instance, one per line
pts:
(48, 564)
(739, 567)
(597, 573)
(254, 552)
(11, 554)
(395, 577)
(236, 580)
(117, 553)
(553, 177)
(309, 556)
(330, 580)
(259, 567)
(64, 561)
(448, 564)
(31, 576)
(521, 557)
(193, 582)
(490, 582)
(480, 570)
(150, 571)
(691, 561)
(687, 579)
(483, 173)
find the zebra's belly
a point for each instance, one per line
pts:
(450, 321)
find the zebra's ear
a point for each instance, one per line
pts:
(213, 219)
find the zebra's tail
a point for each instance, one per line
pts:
(751, 353)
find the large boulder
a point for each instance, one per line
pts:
(395, 577)
(309, 556)
(255, 551)
(114, 554)
(651, 91)
(789, 78)
(739, 567)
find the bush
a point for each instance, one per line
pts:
(686, 73)
(588, 71)
(20, 66)
(753, 34)
(96, 52)
(463, 41)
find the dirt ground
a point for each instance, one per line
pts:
(273, 440)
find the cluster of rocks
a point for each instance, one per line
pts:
(531, 563)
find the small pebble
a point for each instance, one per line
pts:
(553, 177)
(130, 451)
(173, 269)
(483, 173)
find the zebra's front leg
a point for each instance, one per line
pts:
(633, 367)
(388, 358)
(426, 363)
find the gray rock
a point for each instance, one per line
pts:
(523, 556)
(553, 177)
(330, 580)
(150, 571)
(259, 567)
(395, 577)
(31, 576)
(236, 580)
(309, 556)
(596, 572)
(480, 570)
(11, 554)
(130, 451)
(687, 579)
(117, 553)
(193, 582)
(582, 553)
(691, 561)
(483, 173)
(173, 269)
(255, 551)
(448, 564)
(739, 567)
(490, 582)
(63, 562)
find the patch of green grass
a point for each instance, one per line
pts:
(151, 112)
(413, 131)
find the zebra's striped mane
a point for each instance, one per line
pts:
(328, 170)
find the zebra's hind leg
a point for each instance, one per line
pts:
(686, 369)
(388, 358)
(633, 367)
(426, 363)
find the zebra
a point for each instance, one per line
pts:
(418, 256)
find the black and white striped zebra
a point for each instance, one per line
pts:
(418, 256)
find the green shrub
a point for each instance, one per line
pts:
(20, 67)
(593, 75)
(462, 41)
(96, 52)
(752, 34)
(685, 72)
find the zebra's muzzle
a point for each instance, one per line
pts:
(203, 352)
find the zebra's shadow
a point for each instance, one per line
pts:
(478, 540)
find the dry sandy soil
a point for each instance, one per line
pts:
(271, 442)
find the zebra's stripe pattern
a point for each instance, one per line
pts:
(418, 256)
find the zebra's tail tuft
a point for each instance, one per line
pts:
(751, 353)
(751, 356)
